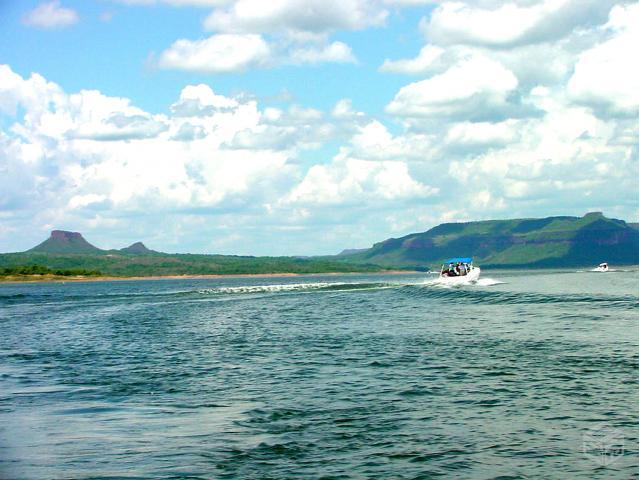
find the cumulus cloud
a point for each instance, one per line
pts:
(515, 123)
(179, 3)
(475, 87)
(297, 127)
(337, 52)
(605, 76)
(51, 15)
(231, 53)
(344, 109)
(315, 16)
(121, 126)
(477, 134)
(511, 23)
(222, 53)
(427, 60)
(355, 181)
(513, 137)
(59, 151)
(200, 100)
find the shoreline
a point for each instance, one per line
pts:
(107, 278)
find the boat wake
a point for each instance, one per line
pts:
(237, 291)
(488, 282)
(296, 287)
(482, 282)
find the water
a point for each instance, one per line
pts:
(322, 377)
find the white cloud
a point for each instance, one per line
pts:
(409, 3)
(475, 86)
(90, 160)
(56, 150)
(344, 109)
(350, 181)
(51, 15)
(559, 159)
(201, 100)
(469, 134)
(337, 52)
(179, 3)
(314, 16)
(120, 126)
(222, 53)
(231, 53)
(509, 24)
(428, 57)
(607, 75)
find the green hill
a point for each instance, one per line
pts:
(138, 248)
(70, 252)
(128, 265)
(521, 243)
(62, 241)
(544, 242)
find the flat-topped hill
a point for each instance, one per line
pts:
(543, 242)
(62, 241)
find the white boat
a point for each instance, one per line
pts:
(459, 271)
(603, 267)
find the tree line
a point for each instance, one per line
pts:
(42, 270)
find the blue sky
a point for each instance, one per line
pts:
(306, 127)
(116, 56)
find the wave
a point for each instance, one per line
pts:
(297, 287)
(489, 282)
(474, 293)
(471, 294)
(482, 282)
(93, 296)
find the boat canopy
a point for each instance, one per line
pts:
(460, 260)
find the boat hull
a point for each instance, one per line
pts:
(470, 277)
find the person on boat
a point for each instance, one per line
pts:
(451, 270)
(462, 269)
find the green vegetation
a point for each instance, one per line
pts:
(544, 242)
(129, 265)
(521, 243)
(23, 270)
(69, 251)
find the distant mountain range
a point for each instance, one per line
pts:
(62, 241)
(545, 242)
(69, 251)
(522, 243)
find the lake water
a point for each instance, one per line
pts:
(331, 377)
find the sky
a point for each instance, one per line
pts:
(304, 127)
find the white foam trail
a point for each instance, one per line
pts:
(488, 282)
(290, 287)
(296, 287)
(482, 282)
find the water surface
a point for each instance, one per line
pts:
(321, 377)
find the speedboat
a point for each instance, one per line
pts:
(603, 267)
(459, 271)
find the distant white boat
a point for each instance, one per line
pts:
(459, 271)
(603, 267)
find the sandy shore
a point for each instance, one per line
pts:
(105, 278)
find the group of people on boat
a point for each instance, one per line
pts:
(456, 269)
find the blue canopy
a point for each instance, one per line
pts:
(460, 260)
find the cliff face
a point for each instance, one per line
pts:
(62, 241)
(547, 242)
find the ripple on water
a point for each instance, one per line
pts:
(316, 377)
